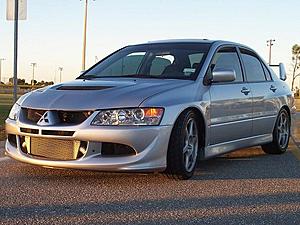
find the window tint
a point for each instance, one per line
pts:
(227, 58)
(125, 66)
(159, 64)
(164, 61)
(254, 70)
(195, 59)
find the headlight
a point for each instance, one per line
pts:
(135, 116)
(14, 112)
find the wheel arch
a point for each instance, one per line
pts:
(288, 110)
(274, 147)
(285, 107)
(202, 125)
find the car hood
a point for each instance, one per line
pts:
(98, 94)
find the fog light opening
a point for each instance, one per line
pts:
(12, 139)
(82, 149)
(115, 150)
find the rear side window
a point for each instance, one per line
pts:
(227, 58)
(253, 67)
(267, 72)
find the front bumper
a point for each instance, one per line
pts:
(150, 144)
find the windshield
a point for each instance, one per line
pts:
(165, 61)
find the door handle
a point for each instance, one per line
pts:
(245, 90)
(273, 88)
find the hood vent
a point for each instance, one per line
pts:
(82, 88)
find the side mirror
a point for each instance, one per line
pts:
(223, 75)
(282, 73)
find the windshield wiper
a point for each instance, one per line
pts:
(143, 76)
(93, 76)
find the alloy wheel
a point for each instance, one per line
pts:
(283, 130)
(190, 149)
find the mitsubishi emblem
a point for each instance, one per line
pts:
(49, 118)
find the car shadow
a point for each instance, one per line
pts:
(250, 163)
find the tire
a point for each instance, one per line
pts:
(281, 134)
(183, 147)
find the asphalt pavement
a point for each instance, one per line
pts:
(243, 187)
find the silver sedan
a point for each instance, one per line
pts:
(159, 106)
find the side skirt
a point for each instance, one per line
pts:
(222, 148)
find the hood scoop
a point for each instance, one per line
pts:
(82, 88)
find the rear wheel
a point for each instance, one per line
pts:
(281, 134)
(183, 147)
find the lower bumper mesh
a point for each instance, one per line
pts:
(53, 148)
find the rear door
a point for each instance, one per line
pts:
(263, 90)
(231, 102)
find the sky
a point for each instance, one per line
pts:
(53, 32)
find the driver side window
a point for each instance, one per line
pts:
(227, 58)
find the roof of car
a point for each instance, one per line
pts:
(182, 41)
(196, 41)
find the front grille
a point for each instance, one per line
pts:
(33, 115)
(73, 117)
(53, 148)
(63, 117)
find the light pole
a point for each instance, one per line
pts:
(84, 33)
(16, 28)
(270, 44)
(33, 67)
(60, 69)
(54, 77)
(1, 68)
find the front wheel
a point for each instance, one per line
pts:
(281, 134)
(183, 147)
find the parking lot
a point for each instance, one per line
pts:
(243, 187)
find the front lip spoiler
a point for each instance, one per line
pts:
(150, 143)
(89, 163)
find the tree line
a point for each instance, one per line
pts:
(33, 82)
